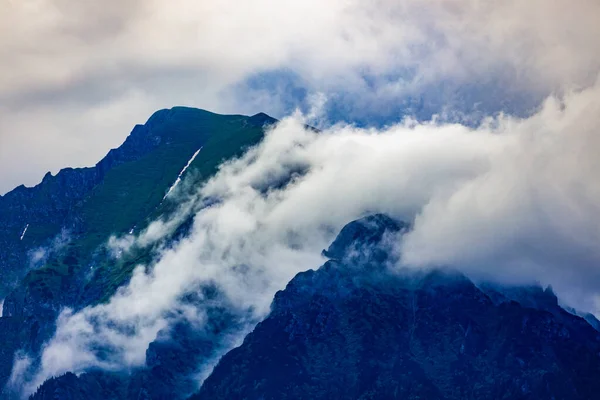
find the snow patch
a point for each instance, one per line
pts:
(181, 173)
(24, 230)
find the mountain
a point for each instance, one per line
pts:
(55, 233)
(356, 329)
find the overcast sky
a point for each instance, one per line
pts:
(76, 76)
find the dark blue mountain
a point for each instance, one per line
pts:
(356, 329)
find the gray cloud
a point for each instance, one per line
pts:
(76, 76)
(515, 200)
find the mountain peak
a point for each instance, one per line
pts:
(261, 119)
(358, 238)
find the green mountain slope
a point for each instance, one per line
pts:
(86, 206)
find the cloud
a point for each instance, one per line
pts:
(39, 255)
(533, 213)
(22, 363)
(515, 199)
(76, 77)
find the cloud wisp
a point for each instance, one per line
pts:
(514, 200)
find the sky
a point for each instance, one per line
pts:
(475, 121)
(76, 76)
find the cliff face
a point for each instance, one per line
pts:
(359, 331)
(70, 217)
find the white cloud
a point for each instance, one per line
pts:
(22, 363)
(515, 199)
(39, 255)
(533, 214)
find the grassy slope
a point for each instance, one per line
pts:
(233, 138)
